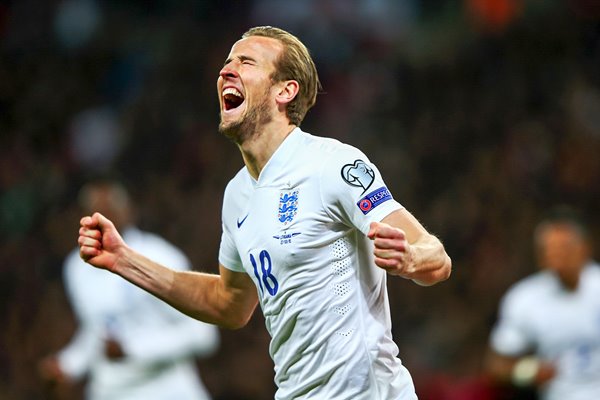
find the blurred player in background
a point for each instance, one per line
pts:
(129, 344)
(309, 230)
(548, 332)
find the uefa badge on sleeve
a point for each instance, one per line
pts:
(373, 199)
(365, 205)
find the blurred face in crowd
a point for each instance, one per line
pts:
(246, 90)
(562, 248)
(111, 200)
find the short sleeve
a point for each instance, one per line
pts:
(510, 336)
(353, 190)
(228, 254)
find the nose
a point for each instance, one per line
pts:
(228, 71)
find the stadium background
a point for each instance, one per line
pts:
(480, 114)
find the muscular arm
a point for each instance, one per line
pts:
(227, 299)
(403, 247)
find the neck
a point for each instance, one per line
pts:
(570, 281)
(259, 147)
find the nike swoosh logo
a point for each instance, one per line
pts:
(239, 223)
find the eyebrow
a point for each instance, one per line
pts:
(241, 58)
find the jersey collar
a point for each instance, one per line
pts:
(275, 168)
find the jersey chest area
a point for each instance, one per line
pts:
(281, 232)
(567, 327)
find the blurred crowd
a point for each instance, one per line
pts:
(480, 114)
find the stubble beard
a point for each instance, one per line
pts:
(249, 125)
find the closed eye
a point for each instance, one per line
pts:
(242, 59)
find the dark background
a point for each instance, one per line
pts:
(481, 114)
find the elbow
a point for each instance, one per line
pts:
(446, 269)
(440, 274)
(235, 322)
(222, 319)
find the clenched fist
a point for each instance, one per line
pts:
(392, 250)
(99, 242)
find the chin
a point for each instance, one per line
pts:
(232, 130)
(241, 126)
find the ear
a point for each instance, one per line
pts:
(286, 92)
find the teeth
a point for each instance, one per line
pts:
(232, 91)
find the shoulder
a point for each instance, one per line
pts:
(334, 161)
(591, 274)
(73, 258)
(234, 183)
(74, 266)
(531, 289)
(78, 276)
(327, 146)
(593, 269)
(237, 194)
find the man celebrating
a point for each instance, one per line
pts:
(309, 231)
(547, 336)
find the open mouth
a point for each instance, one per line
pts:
(232, 98)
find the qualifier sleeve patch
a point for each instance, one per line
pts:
(373, 199)
(358, 174)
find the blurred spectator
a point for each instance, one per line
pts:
(76, 22)
(548, 332)
(95, 137)
(132, 345)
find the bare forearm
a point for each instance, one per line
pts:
(199, 295)
(403, 247)
(432, 263)
(145, 273)
(227, 299)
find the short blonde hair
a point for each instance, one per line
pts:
(294, 63)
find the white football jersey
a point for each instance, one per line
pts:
(560, 326)
(299, 232)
